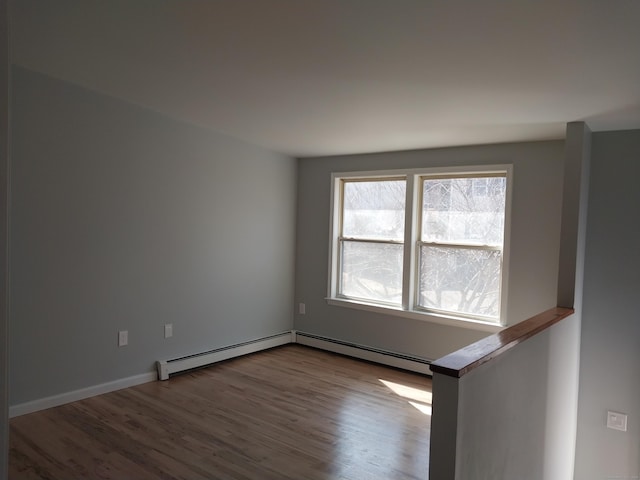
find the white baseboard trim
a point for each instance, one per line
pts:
(363, 352)
(81, 394)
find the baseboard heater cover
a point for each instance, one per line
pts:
(166, 368)
(189, 362)
(384, 357)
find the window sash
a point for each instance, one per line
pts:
(384, 291)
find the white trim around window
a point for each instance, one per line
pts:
(403, 283)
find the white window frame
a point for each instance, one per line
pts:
(413, 208)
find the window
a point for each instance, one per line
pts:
(428, 242)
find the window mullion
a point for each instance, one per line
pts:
(410, 237)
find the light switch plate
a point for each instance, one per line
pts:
(123, 338)
(617, 421)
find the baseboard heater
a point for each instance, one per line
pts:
(190, 362)
(166, 368)
(363, 352)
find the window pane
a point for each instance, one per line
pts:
(374, 209)
(372, 271)
(463, 210)
(460, 280)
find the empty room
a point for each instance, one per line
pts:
(320, 239)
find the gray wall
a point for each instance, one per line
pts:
(4, 188)
(535, 237)
(610, 347)
(493, 399)
(123, 219)
(564, 344)
(498, 423)
(498, 397)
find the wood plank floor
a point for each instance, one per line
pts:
(288, 413)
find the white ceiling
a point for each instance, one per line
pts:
(320, 77)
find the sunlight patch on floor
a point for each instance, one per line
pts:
(426, 409)
(418, 398)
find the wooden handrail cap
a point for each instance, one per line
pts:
(461, 362)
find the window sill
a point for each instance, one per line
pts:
(439, 319)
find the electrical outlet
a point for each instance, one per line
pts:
(168, 330)
(123, 338)
(302, 308)
(617, 421)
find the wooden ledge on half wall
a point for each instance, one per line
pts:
(461, 362)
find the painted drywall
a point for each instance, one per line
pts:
(561, 387)
(123, 219)
(535, 237)
(564, 344)
(498, 423)
(610, 346)
(444, 427)
(4, 236)
(501, 416)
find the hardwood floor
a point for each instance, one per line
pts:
(288, 413)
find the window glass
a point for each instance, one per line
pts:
(374, 209)
(463, 210)
(460, 280)
(372, 271)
